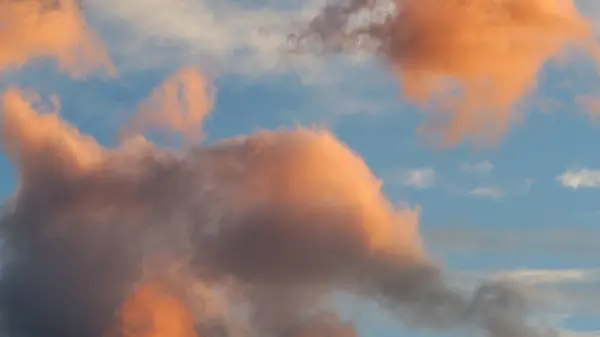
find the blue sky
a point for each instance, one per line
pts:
(500, 209)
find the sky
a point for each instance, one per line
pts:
(511, 196)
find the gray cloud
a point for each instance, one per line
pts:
(248, 236)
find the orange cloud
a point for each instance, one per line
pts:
(33, 29)
(179, 105)
(29, 137)
(151, 311)
(299, 210)
(250, 235)
(468, 62)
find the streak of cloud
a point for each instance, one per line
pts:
(487, 192)
(482, 167)
(550, 276)
(470, 63)
(207, 33)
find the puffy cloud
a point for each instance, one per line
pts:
(246, 236)
(582, 178)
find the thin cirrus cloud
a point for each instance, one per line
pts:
(551, 276)
(208, 32)
(487, 192)
(581, 178)
(481, 167)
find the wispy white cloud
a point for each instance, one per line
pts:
(482, 167)
(487, 192)
(549, 276)
(418, 178)
(232, 37)
(582, 178)
(222, 35)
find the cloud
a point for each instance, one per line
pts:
(210, 35)
(180, 105)
(470, 84)
(562, 293)
(269, 187)
(207, 33)
(482, 167)
(418, 178)
(487, 192)
(550, 276)
(582, 178)
(33, 29)
(245, 236)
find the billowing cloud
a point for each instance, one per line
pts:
(469, 62)
(246, 236)
(582, 178)
(49, 29)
